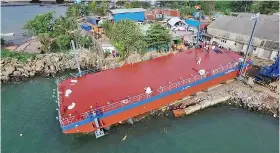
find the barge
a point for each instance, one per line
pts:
(94, 102)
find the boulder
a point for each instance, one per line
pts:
(56, 59)
(32, 74)
(17, 73)
(27, 68)
(20, 69)
(5, 78)
(25, 74)
(10, 70)
(52, 68)
(39, 65)
(18, 65)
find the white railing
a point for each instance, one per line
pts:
(106, 108)
(111, 106)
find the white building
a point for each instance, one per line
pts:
(234, 32)
(176, 24)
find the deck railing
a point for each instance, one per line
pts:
(111, 106)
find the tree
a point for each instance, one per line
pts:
(265, 7)
(102, 9)
(73, 11)
(92, 7)
(223, 6)
(63, 42)
(208, 7)
(40, 24)
(241, 6)
(157, 36)
(135, 4)
(64, 26)
(45, 41)
(186, 10)
(107, 27)
(145, 5)
(125, 37)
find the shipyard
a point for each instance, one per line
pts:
(114, 66)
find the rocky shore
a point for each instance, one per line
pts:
(51, 64)
(258, 98)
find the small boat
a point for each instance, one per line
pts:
(7, 34)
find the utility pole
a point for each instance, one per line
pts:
(198, 27)
(254, 17)
(76, 56)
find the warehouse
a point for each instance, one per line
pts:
(134, 14)
(234, 33)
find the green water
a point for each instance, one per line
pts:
(29, 108)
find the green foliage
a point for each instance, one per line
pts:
(224, 6)
(92, 7)
(101, 10)
(145, 5)
(107, 28)
(106, 54)
(63, 26)
(186, 10)
(241, 6)
(21, 56)
(265, 7)
(42, 23)
(83, 41)
(78, 10)
(46, 42)
(126, 36)
(63, 42)
(157, 35)
(73, 11)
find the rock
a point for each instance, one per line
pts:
(38, 69)
(56, 59)
(25, 75)
(5, 78)
(40, 56)
(17, 73)
(10, 70)
(52, 68)
(20, 69)
(18, 65)
(2, 61)
(14, 60)
(27, 68)
(39, 65)
(29, 60)
(32, 74)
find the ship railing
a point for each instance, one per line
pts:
(181, 83)
(106, 108)
(223, 68)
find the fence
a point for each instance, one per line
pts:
(112, 106)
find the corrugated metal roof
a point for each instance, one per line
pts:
(132, 10)
(266, 28)
(174, 20)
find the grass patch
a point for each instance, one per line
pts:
(22, 57)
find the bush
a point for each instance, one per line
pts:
(22, 57)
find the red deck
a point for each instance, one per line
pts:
(113, 85)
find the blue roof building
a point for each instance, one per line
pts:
(134, 14)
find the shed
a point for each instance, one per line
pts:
(135, 14)
(86, 27)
